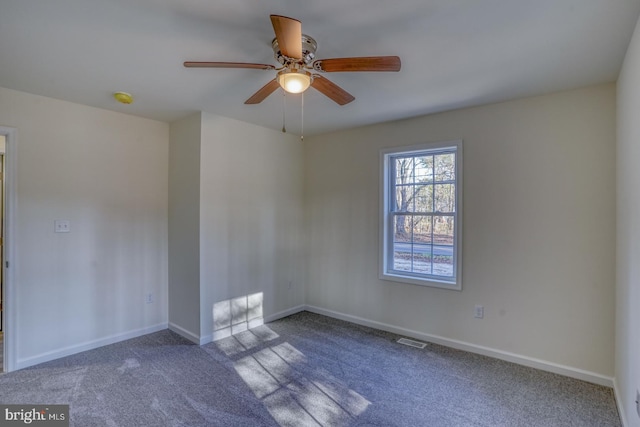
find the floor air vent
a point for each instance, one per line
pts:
(412, 343)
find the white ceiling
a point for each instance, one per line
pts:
(454, 53)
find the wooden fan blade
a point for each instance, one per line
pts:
(331, 90)
(365, 63)
(191, 64)
(289, 34)
(263, 92)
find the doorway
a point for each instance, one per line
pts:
(8, 258)
(3, 144)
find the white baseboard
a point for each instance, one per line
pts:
(258, 321)
(88, 345)
(460, 345)
(285, 313)
(618, 397)
(221, 333)
(185, 333)
(236, 329)
(531, 362)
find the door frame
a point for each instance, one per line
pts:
(9, 254)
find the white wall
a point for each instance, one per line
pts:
(184, 226)
(251, 235)
(628, 235)
(539, 228)
(106, 173)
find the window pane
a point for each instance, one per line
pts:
(404, 170)
(443, 260)
(402, 243)
(443, 229)
(404, 198)
(445, 197)
(422, 229)
(402, 258)
(424, 198)
(445, 169)
(422, 259)
(424, 169)
(402, 229)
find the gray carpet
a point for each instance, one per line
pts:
(304, 370)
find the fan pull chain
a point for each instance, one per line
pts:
(284, 105)
(302, 118)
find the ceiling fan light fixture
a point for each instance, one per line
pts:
(296, 53)
(294, 80)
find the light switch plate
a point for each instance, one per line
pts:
(61, 226)
(478, 312)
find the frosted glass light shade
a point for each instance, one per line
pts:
(294, 81)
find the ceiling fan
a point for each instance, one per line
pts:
(296, 53)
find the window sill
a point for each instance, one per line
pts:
(431, 283)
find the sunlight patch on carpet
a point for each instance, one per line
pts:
(294, 392)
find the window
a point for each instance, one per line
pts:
(421, 233)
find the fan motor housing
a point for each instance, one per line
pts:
(309, 46)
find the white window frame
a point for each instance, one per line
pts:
(386, 271)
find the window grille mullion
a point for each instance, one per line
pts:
(433, 209)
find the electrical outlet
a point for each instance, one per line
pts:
(290, 285)
(149, 298)
(478, 312)
(61, 226)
